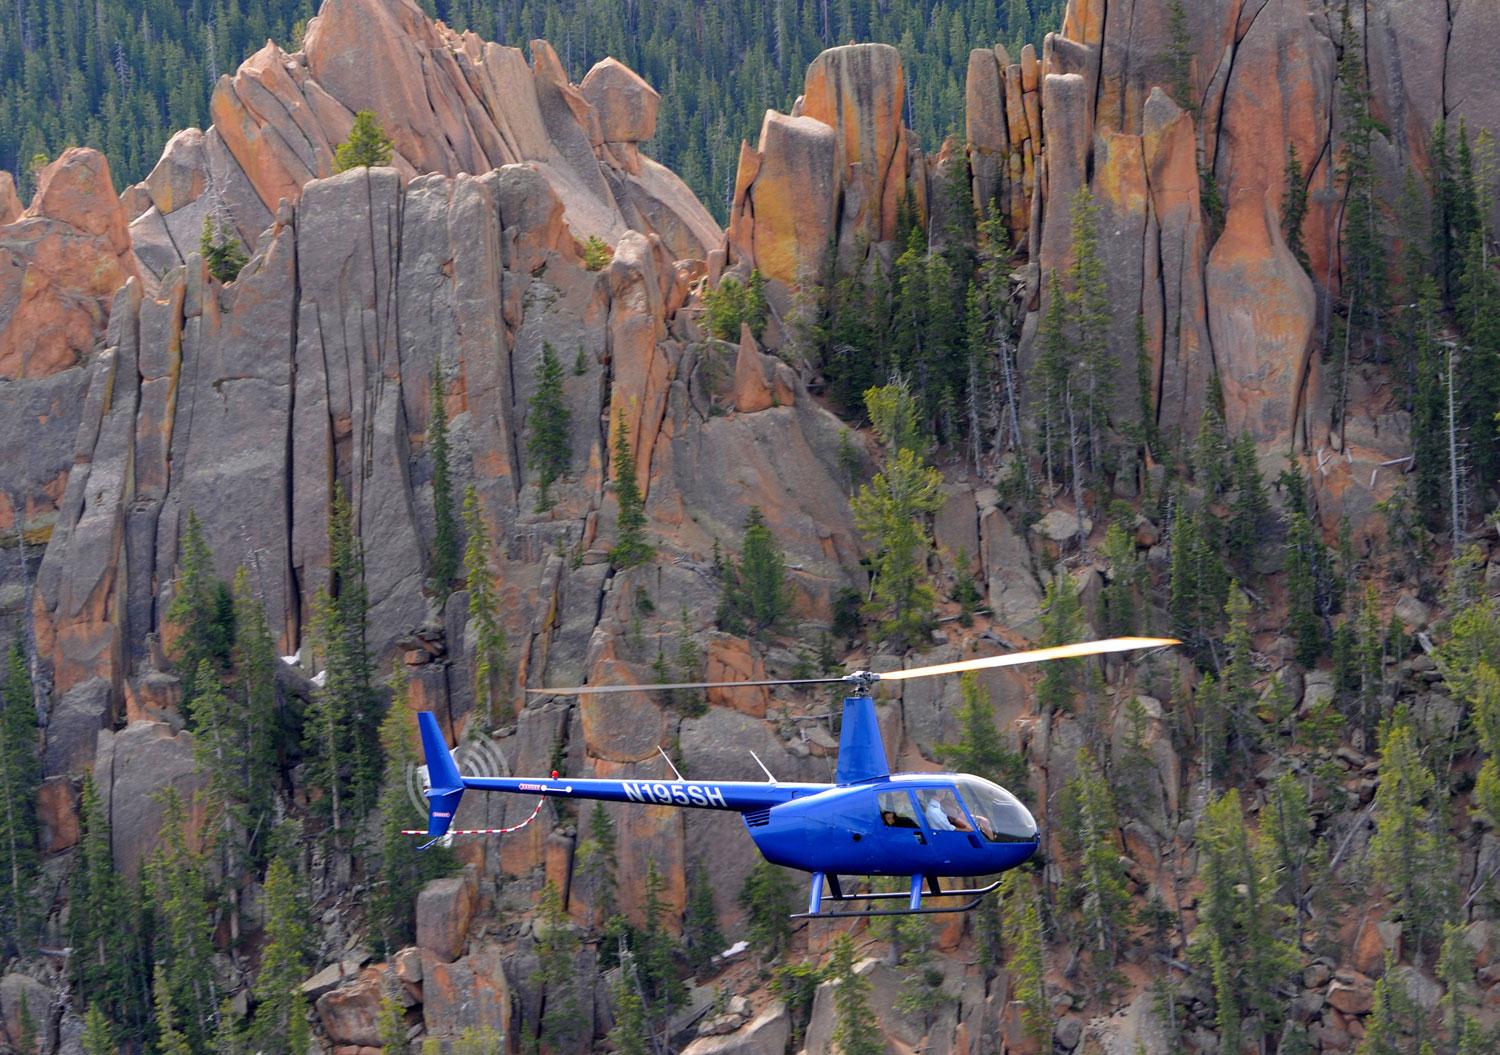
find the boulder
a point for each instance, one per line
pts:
(1262, 310)
(793, 196)
(61, 262)
(751, 392)
(1061, 526)
(1351, 992)
(73, 727)
(17, 990)
(859, 90)
(444, 909)
(766, 1034)
(351, 1013)
(625, 103)
(10, 204)
(181, 176)
(130, 767)
(473, 992)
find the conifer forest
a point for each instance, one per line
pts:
(362, 358)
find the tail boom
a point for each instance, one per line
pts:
(730, 795)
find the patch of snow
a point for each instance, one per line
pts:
(735, 949)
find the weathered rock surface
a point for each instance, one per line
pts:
(61, 262)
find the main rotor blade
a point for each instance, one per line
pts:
(596, 690)
(1039, 655)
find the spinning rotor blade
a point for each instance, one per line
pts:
(596, 690)
(1039, 655)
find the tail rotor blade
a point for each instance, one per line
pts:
(597, 690)
(1039, 655)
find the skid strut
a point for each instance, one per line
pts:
(913, 897)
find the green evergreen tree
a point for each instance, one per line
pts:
(108, 964)
(341, 735)
(1023, 939)
(280, 1026)
(1241, 927)
(1476, 379)
(183, 938)
(855, 1030)
(1062, 622)
(201, 611)
(445, 555)
(766, 898)
(631, 1034)
(891, 512)
(391, 1025)
(631, 547)
(1095, 886)
(1294, 204)
(170, 1040)
(20, 780)
(548, 447)
(597, 862)
(700, 927)
(491, 678)
(557, 949)
(1303, 617)
(256, 708)
(1410, 853)
(367, 145)
(980, 748)
(98, 1034)
(1249, 507)
(757, 596)
(222, 252)
(1364, 268)
(1124, 595)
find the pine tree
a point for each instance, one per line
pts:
(548, 447)
(700, 926)
(1088, 303)
(1477, 373)
(1028, 969)
(1294, 205)
(280, 1026)
(631, 1034)
(1249, 507)
(1364, 252)
(1096, 885)
(1062, 622)
(444, 520)
(1124, 593)
(1241, 926)
(766, 898)
(1050, 380)
(20, 780)
(367, 145)
(1429, 410)
(491, 677)
(980, 748)
(255, 698)
(201, 611)
(756, 594)
(221, 250)
(1410, 853)
(557, 955)
(855, 1030)
(656, 953)
(891, 512)
(341, 737)
(108, 965)
(98, 1034)
(1303, 617)
(170, 1040)
(183, 939)
(221, 759)
(631, 548)
(597, 863)
(390, 1023)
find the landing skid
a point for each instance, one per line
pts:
(913, 899)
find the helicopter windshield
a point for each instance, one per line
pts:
(999, 814)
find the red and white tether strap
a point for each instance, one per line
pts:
(484, 831)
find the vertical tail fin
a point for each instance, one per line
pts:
(861, 749)
(445, 786)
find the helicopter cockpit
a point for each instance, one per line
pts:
(996, 813)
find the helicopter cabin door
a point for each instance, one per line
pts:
(948, 826)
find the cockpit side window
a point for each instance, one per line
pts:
(896, 810)
(941, 810)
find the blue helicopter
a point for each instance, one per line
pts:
(868, 822)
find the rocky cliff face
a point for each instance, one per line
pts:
(138, 388)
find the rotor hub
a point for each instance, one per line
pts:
(861, 681)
